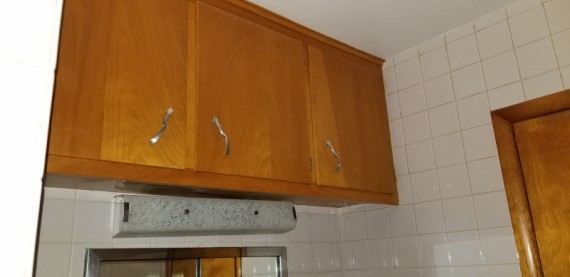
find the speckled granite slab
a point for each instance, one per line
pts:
(140, 216)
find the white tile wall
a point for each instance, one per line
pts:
(453, 220)
(462, 224)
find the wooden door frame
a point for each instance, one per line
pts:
(521, 218)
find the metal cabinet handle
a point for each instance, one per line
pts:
(216, 122)
(331, 148)
(155, 139)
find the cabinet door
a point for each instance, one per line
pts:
(349, 111)
(254, 81)
(121, 65)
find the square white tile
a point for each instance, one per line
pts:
(444, 120)
(469, 271)
(320, 228)
(468, 81)
(404, 189)
(459, 32)
(434, 63)
(57, 220)
(302, 232)
(412, 100)
(58, 193)
(393, 106)
(490, 19)
(505, 96)
(396, 133)
(378, 223)
(420, 156)
(390, 80)
(416, 127)
(463, 52)
(494, 39)
(355, 226)
(562, 47)
(485, 175)
(93, 222)
(406, 252)
(53, 259)
(429, 217)
(439, 91)
(453, 181)
(408, 73)
(566, 76)
(381, 254)
(474, 111)
(459, 214)
(528, 26)
(492, 210)
(301, 258)
(402, 220)
(520, 6)
(437, 272)
(323, 257)
(501, 70)
(357, 254)
(408, 272)
(448, 150)
(536, 58)
(479, 143)
(543, 85)
(464, 248)
(400, 160)
(431, 44)
(558, 13)
(510, 270)
(433, 248)
(424, 186)
(406, 55)
(498, 246)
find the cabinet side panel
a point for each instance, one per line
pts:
(146, 75)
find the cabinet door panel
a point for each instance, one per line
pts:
(123, 64)
(349, 111)
(146, 72)
(253, 80)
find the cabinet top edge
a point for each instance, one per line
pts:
(294, 27)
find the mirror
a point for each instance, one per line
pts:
(187, 262)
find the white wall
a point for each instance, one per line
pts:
(73, 220)
(454, 218)
(29, 32)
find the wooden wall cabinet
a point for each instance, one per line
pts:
(349, 120)
(119, 70)
(277, 90)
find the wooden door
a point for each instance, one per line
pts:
(184, 268)
(254, 82)
(544, 149)
(349, 111)
(121, 65)
(219, 267)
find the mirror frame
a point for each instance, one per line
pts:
(94, 257)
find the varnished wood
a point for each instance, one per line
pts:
(268, 19)
(184, 268)
(349, 110)
(122, 65)
(192, 86)
(218, 267)
(253, 80)
(513, 176)
(515, 189)
(203, 183)
(544, 149)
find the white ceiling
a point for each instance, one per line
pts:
(382, 27)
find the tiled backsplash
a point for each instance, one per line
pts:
(453, 219)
